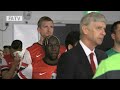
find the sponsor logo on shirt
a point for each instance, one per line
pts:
(38, 55)
(42, 73)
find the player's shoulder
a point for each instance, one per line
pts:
(34, 46)
(62, 49)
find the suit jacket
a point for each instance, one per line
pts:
(74, 64)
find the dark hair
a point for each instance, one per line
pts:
(46, 40)
(7, 46)
(16, 44)
(114, 26)
(44, 18)
(72, 38)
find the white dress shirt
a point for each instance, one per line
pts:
(87, 52)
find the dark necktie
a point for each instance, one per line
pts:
(92, 62)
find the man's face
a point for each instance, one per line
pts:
(96, 32)
(46, 29)
(6, 51)
(52, 49)
(116, 35)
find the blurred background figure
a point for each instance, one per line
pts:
(1, 56)
(115, 34)
(1, 53)
(6, 49)
(72, 39)
(10, 62)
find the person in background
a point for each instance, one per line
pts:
(1, 53)
(81, 61)
(6, 49)
(1, 56)
(72, 39)
(35, 52)
(45, 68)
(115, 34)
(10, 63)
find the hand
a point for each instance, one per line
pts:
(17, 59)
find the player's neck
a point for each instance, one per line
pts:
(41, 41)
(50, 62)
(116, 48)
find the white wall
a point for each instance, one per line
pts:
(71, 17)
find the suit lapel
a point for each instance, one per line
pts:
(83, 59)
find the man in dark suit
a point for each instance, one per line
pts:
(78, 63)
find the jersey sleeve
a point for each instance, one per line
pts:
(26, 73)
(26, 59)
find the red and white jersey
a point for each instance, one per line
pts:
(7, 64)
(39, 70)
(7, 61)
(35, 68)
(32, 54)
(36, 53)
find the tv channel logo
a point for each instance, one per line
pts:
(14, 18)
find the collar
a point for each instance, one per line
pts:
(86, 49)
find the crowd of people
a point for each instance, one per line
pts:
(77, 59)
